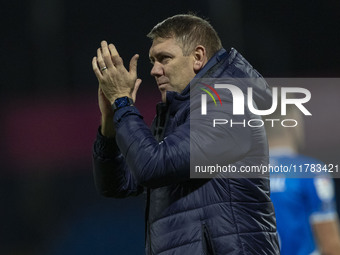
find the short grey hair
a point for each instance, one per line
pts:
(189, 31)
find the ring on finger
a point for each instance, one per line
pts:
(103, 68)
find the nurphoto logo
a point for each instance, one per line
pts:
(288, 97)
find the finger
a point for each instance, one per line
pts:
(100, 60)
(137, 84)
(116, 59)
(96, 68)
(106, 55)
(101, 93)
(133, 64)
(135, 89)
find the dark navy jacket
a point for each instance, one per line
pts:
(192, 216)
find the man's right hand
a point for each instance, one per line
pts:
(107, 125)
(104, 105)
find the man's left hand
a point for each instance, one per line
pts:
(114, 79)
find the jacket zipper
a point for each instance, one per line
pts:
(158, 132)
(149, 244)
(206, 241)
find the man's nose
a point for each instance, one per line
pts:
(156, 70)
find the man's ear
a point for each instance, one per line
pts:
(200, 56)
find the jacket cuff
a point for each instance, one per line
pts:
(104, 147)
(124, 112)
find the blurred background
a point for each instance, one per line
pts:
(49, 114)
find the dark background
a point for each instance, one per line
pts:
(49, 114)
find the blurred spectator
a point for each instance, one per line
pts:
(305, 209)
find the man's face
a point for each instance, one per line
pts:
(171, 69)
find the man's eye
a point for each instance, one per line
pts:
(165, 59)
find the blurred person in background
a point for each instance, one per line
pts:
(305, 209)
(183, 215)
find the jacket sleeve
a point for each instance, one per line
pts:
(111, 174)
(154, 164)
